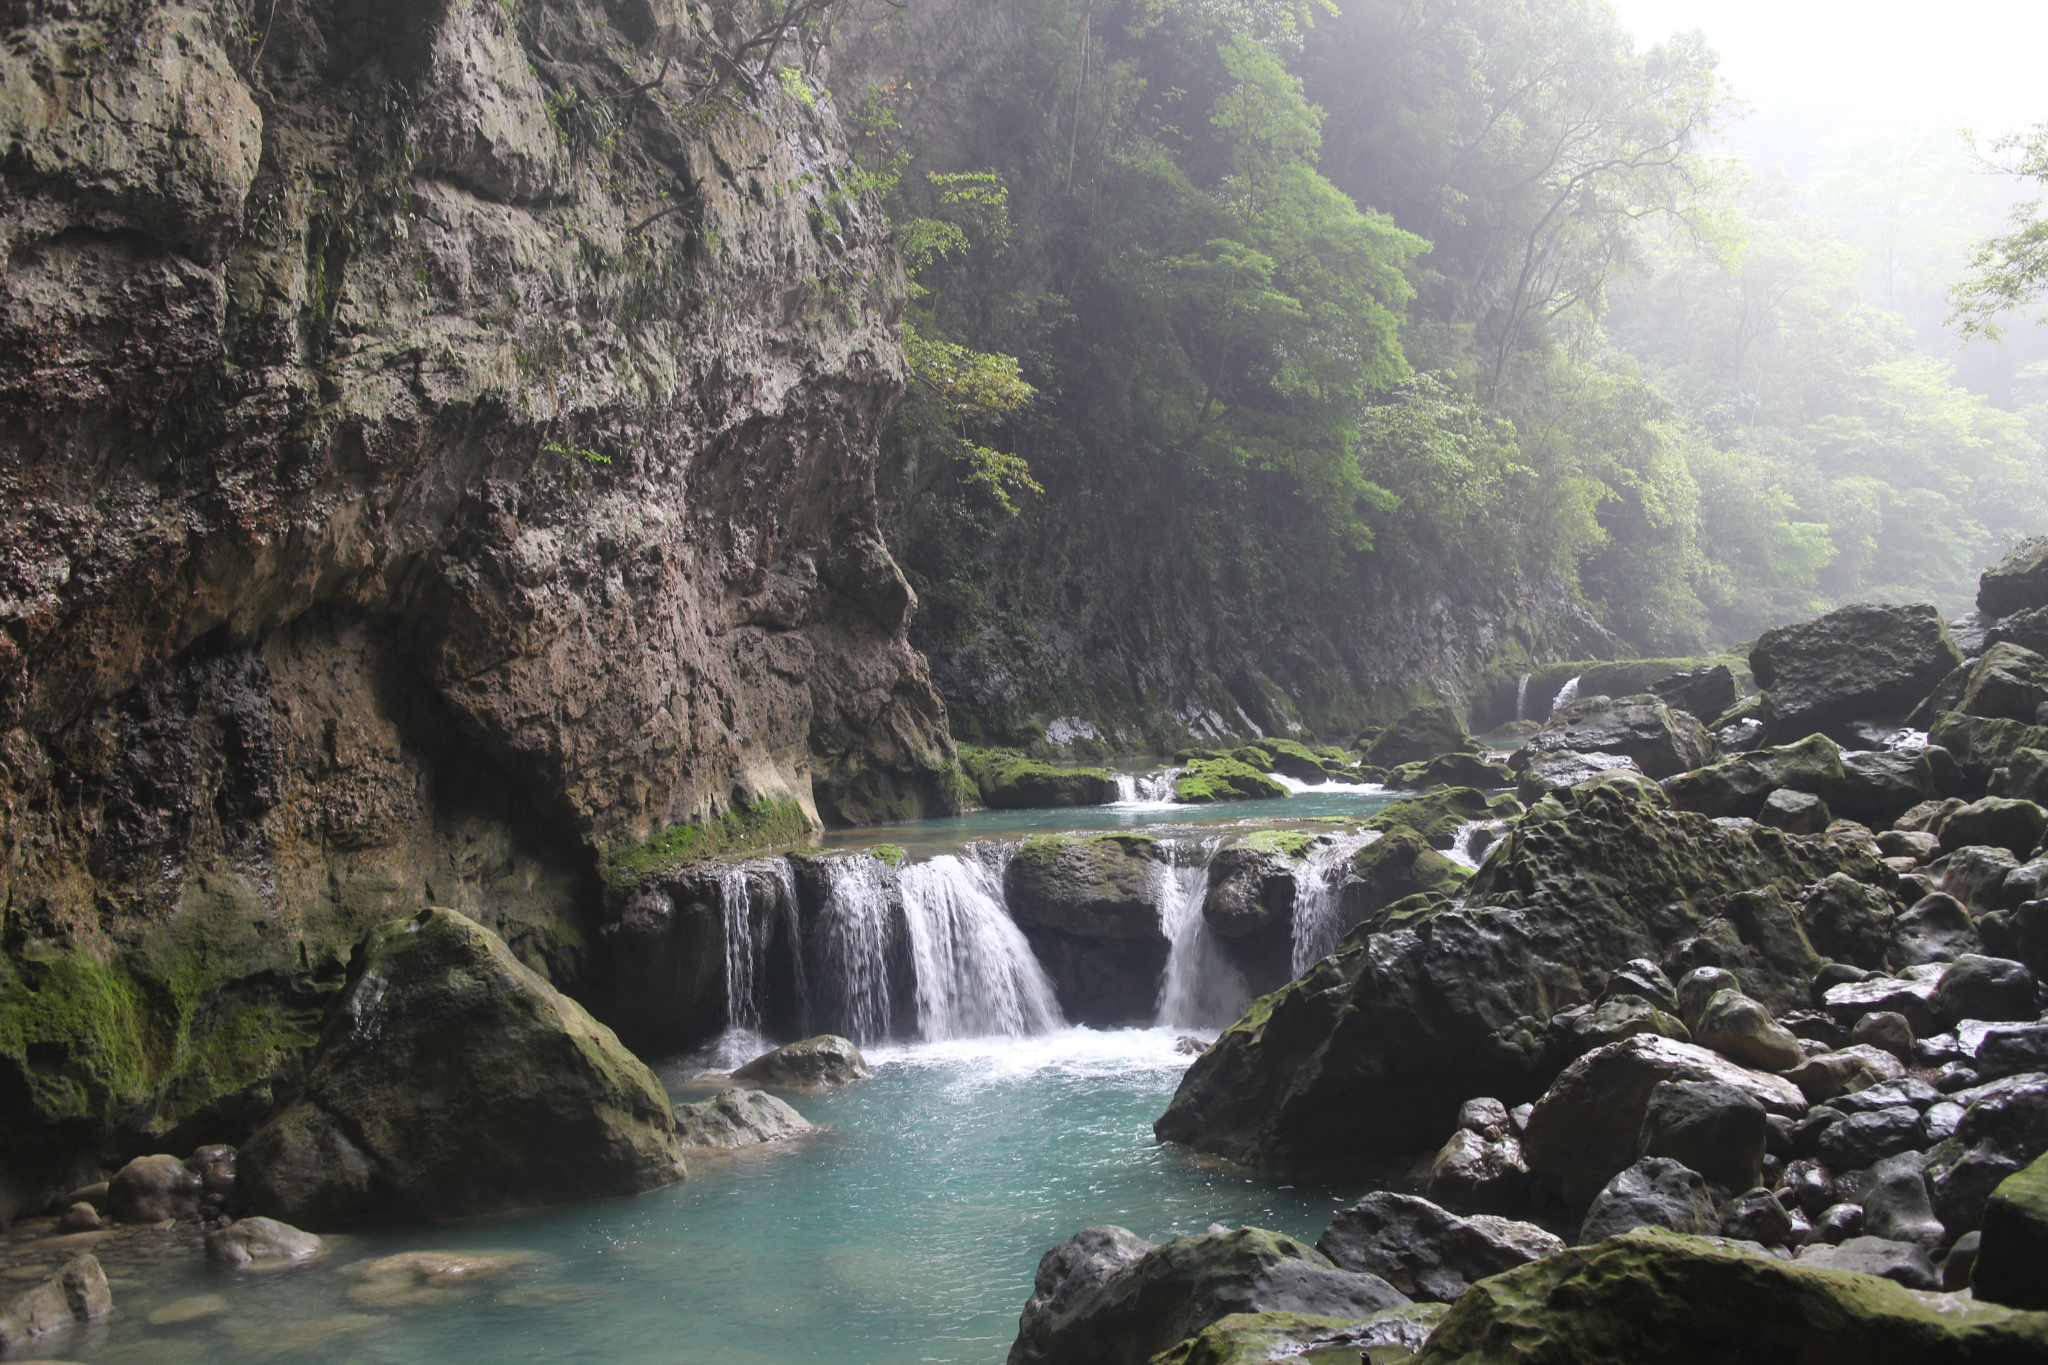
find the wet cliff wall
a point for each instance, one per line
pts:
(437, 450)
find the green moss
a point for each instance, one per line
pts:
(1009, 780)
(765, 824)
(94, 1022)
(1436, 815)
(1223, 779)
(891, 854)
(1285, 843)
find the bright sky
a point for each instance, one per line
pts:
(1833, 65)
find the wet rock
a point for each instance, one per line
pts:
(1557, 769)
(2012, 1049)
(1864, 663)
(2017, 583)
(1862, 1140)
(260, 1244)
(1481, 1167)
(1825, 1076)
(1663, 742)
(2012, 1256)
(1257, 1338)
(151, 1189)
(80, 1217)
(1653, 1297)
(215, 1165)
(1897, 1206)
(1709, 1127)
(1913, 996)
(1573, 1033)
(1941, 1121)
(820, 1063)
(2010, 682)
(414, 1279)
(1418, 735)
(1848, 921)
(1206, 780)
(1738, 1027)
(738, 1118)
(440, 1035)
(1397, 865)
(1809, 1186)
(1008, 780)
(1707, 692)
(1794, 812)
(1907, 1090)
(1654, 1192)
(1642, 977)
(1975, 875)
(197, 1308)
(1990, 988)
(2024, 775)
(1142, 1305)
(1880, 785)
(1981, 745)
(1900, 1262)
(1424, 1251)
(1919, 845)
(1838, 1223)
(1886, 1031)
(1700, 985)
(1960, 1261)
(1089, 907)
(1936, 929)
(1757, 1216)
(1997, 822)
(1737, 785)
(77, 1293)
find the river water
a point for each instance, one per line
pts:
(908, 1231)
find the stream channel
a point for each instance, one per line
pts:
(908, 1231)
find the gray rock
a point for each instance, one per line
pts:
(1879, 785)
(1809, 1186)
(1708, 1127)
(1738, 1027)
(1735, 787)
(76, 1293)
(737, 1118)
(1998, 821)
(1897, 1206)
(1962, 1177)
(1942, 1120)
(1936, 929)
(1757, 1216)
(2014, 1114)
(1848, 921)
(1900, 1262)
(80, 1217)
(215, 1165)
(1655, 1192)
(1829, 1075)
(819, 1063)
(2017, 583)
(1573, 1033)
(2010, 682)
(1862, 1140)
(1425, 1252)
(1911, 996)
(1960, 1261)
(2012, 1049)
(1868, 663)
(1663, 742)
(1794, 812)
(1886, 1031)
(1976, 875)
(1644, 979)
(1556, 770)
(1838, 1223)
(1909, 1090)
(151, 1189)
(1700, 985)
(260, 1244)
(1990, 988)
(1481, 1168)
(1069, 1278)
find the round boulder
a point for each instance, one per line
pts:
(151, 1189)
(1995, 989)
(1736, 1026)
(1709, 1127)
(819, 1063)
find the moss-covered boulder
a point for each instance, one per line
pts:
(1397, 865)
(1369, 1055)
(1738, 784)
(2017, 583)
(1208, 780)
(1456, 770)
(2012, 1259)
(1008, 780)
(451, 1080)
(1419, 735)
(1982, 744)
(2008, 683)
(1080, 1315)
(1436, 816)
(1090, 908)
(1652, 1297)
(1259, 1338)
(1291, 758)
(1870, 664)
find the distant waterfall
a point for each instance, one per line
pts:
(1316, 885)
(1522, 697)
(850, 945)
(1566, 695)
(976, 974)
(1201, 990)
(1146, 788)
(742, 943)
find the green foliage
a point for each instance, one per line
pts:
(2009, 272)
(891, 854)
(766, 823)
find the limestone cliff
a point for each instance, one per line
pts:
(437, 459)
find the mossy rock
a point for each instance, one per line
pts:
(1099, 886)
(1420, 735)
(768, 823)
(1392, 870)
(1459, 770)
(1008, 780)
(1652, 1297)
(1285, 843)
(1436, 816)
(1980, 744)
(1209, 780)
(1256, 1338)
(2012, 1262)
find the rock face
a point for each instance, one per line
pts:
(441, 1035)
(738, 1118)
(1104, 1297)
(1654, 1298)
(1868, 663)
(1090, 908)
(409, 496)
(1426, 1252)
(819, 1063)
(2012, 1258)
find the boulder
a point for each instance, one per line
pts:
(1961, 1180)
(1008, 780)
(2017, 583)
(1709, 1127)
(1645, 979)
(2023, 777)
(1976, 875)
(1961, 1260)
(1863, 1140)
(1421, 734)
(1826, 1075)
(1991, 988)
(1204, 781)
(1902, 1263)
(1880, 785)
(2011, 1049)
(80, 1217)
(2012, 1256)
(1913, 996)
(1700, 985)
(1837, 1224)
(1257, 1338)
(1090, 909)
(2028, 628)
(1589, 1125)
(1461, 770)
(1368, 1055)
(1481, 1167)
(1426, 1252)
(1848, 921)
(1663, 742)
(1250, 891)
(1885, 1031)
(1572, 1033)
(1437, 816)
(1397, 865)
(1794, 812)
(1653, 1193)
(76, 1293)
(1868, 663)
(2012, 1113)
(1981, 745)
(260, 1244)
(1896, 1206)
(152, 1189)
(2009, 683)
(821, 1063)
(1737, 785)
(1757, 1216)
(1145, 1304)
(1707, 692)
(738, 1118)
(1936, 930)
(1997, 821)
(1557, 769)
(441, 1035)
(1736, 1026)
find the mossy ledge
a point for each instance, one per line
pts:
(771, 822)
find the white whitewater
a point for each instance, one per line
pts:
(1200, 989)
(1566, 695)
(1316, 885)
(743, 941)
(976, 975)
(1468, 848)
(1154, 789)
(1295, 786)
(1522, 697)
(850, 944)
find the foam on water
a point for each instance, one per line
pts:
(1296, 787)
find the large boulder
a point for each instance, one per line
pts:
(2017, 583)
(1556, 769)
(261, 1244)
(1657, 1298)
(151, 1189)
(2009, 683)
(1707, 692)
(1421, 734)
(1008, 780)
(1995, 822)
(2028, 628)
(1369, 1055)
(1880, 785)
(1397, 865)
(1848, 921)
(1106, 1298)
(1981, 745)
(2012, 1258)
(1710, 1127)
(1259, 1338)
(77, 1292)
(1738, 1027)
(1204, 781)
(452, 1080)
(1425, 1251)
(1090, 909)
(1662, 741)
(1866, 664)
(1737, 785)
(819, 1063)
(1653, 1193)
(1902, 1263)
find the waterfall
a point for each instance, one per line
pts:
(1566, 695)
(850, 944)
(1126, 787)
(976, 974)
(1522, 697)
(1316, 885)
(1200, 990)
(1147, 789)
(1467, 849)
(742, 944)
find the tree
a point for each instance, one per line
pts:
(2008, 273)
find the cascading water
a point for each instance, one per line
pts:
(1522, 697)
(1200, 990)
(1473, 841)
(850, 946)
(976, 974)
(1146, 789)
(1566, 695)
(743, 949)
(1316, 885)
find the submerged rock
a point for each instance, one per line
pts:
(76, 1293)
(442, 1035)
(818, 1063)
(738, 1118)
(260, 1243)
(413, 1279)
(1426, 1252)
(1104, 1297)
